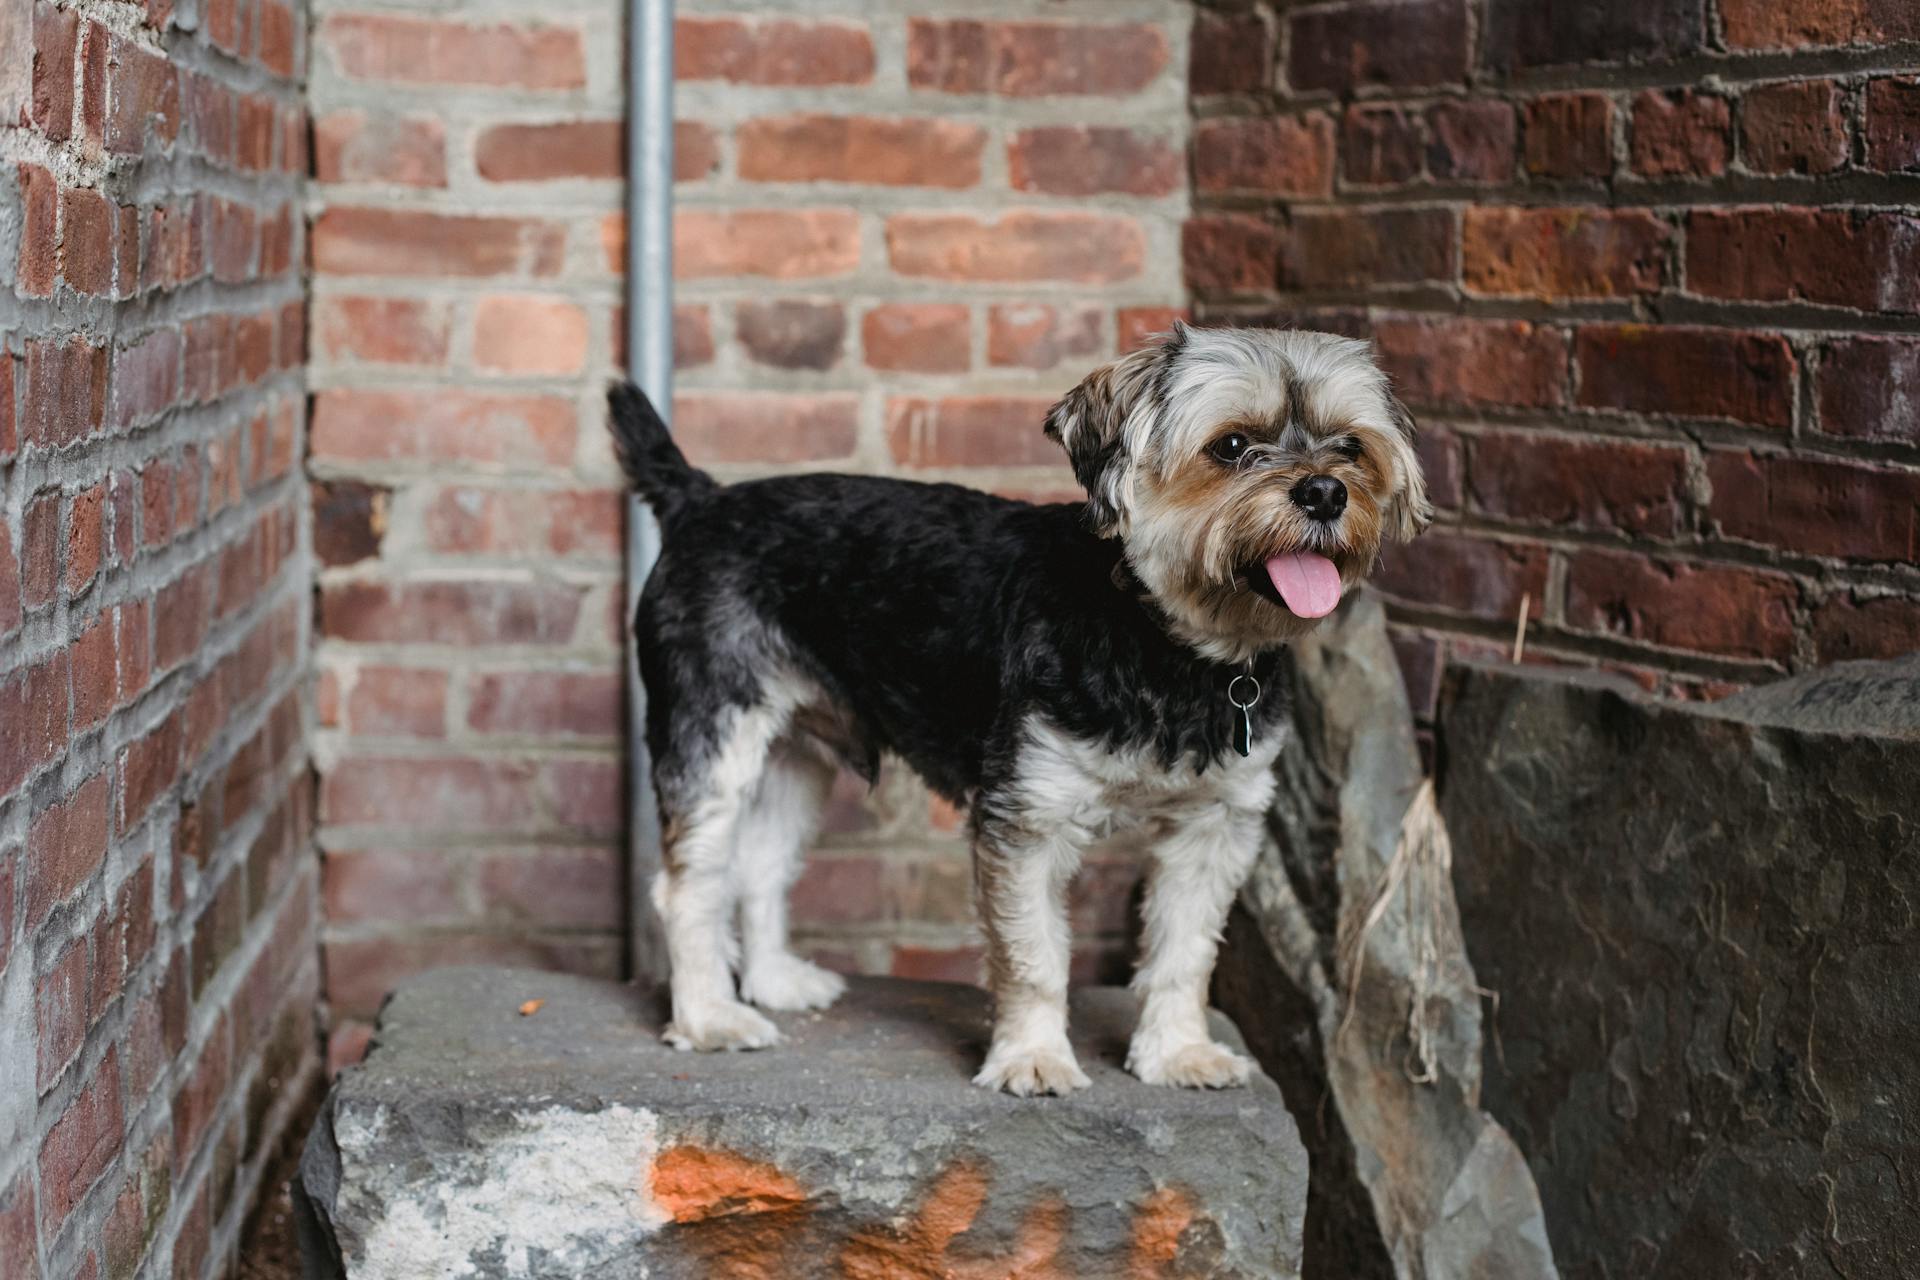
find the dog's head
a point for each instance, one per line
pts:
(1252, 475)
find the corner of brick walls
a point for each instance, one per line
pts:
(1649, 276)
(158, 910)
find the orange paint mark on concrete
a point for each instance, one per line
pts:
(1158, 1223)
(918, 1250)
(1036, 1250)
(695, 1183)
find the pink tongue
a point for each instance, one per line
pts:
(1309, 583)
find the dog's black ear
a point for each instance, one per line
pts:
(1089, 422)
(1408, 513)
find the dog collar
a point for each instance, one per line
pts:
(1243, 692)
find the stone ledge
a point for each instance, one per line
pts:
(572, 1142)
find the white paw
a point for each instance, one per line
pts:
(788, 982)
(1205, 1065)
(724, 1024)
(1026, 1071)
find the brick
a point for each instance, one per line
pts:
(401, 331)
(401, 885)
(86, 537)
(1471, 141)
(1228, 53)
(783, 244)
(451, 793)
(353, 146)
(54, 37)
(1759, 24)
(181, 615)
(1735, 612)
(692, 337)
(1563, 253)
(722, 427)
(11, 613)
(1465, 574)
(40, 550)
(555, 887)
(1264, 156)
(926, 337)
(1569, 135)
(1457, 362)
(696, 151)
(406, 50)
(65, 392)
(33, 706)
(1380, 146)
(586, 796)
(408, 242)
(969, 431)
(1378, 42)
(1680, 133)
(1034, 59)
(443, 426)
(450, 612)
(1349, 249)
(771, 51)
(1582, 484)
(94, 57)
(408, 702)
(876, 150)
(349, 521)
(791, 333)
(1137, 327)
(361, 971)
(529, 336)
(277, 40)
(962, 963)
(1081, 248)
(9, 427)
(1794, 127)
(547, 703)
(145, 98)
(1868, 388)
(1230, 253)
(60, 1009)
(38, 266)
(525, 523)
(200, 1096)
(1078, 160)
(1830, 508)
(1517, 34)
(1040, 337)
(1839, 257)
(81, 1144)
(86, 241)
(1698, 373)
(18, 1249)
(1892, 125)
(1847, 626)
(565, 149)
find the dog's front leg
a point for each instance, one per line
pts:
(1198, 868)
(1022, 887)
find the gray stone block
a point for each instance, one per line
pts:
(478, 1142)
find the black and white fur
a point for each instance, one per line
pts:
(1053, 669)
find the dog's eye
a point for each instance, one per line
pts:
(1229, 447)
(1348, 447)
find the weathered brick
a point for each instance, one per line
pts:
(1556, 480)
(1892, 124)
(969, 431)
(409, 702)
(65, 392)
(529, 336)
(145, 101)
(910, 337)
(772, 51)
(1819, 507)
(1229, 252)
(1698, 373)
(408, 50)
(81, 1144)
(784, 244)
(11, 613)
(1680, 133)
(791, 333)
(1264, 155)
(1377, 42)
(1517, 34)
(1229, 53)
(1455, 361)
(33, 706)
(1793, 127)
(1869, 388)
(355, 146)
(40, 549)
(407, 331)
(720, 427)
(564, 149)
(1851, 626)
(86, 241)
(1563, 253)
(879, 150)
(1085, 160)
(569, 888)
(38, 266)
(450, 612)
(349, 520)
(586, 796)
(1380, 146)
(1569, 135)
(1463, 574)
(1471, 141)
(1839, 257)
(1357, 249)
(1137, 327)
(443, 426)
(547, 703)
(1029, 59)
(1715, 609)
(1762, 24)
(692, 336)
(86, 537)
(60, 1009)
(1083, 248)
(415, 242)
(1039, 336)
(54, 36)
(402, 885)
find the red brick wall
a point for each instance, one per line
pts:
(899, 236)
(1648, 273)
(157, 909)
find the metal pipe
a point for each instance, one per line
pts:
(650, 359)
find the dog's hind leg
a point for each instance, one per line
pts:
(779, 822)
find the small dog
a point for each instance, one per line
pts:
(1056, 670)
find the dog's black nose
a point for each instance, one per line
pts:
(1321, 497)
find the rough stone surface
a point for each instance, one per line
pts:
(1411, 1178)
(1700, 923)
(476, 1141)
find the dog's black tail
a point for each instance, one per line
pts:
(655, 467)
